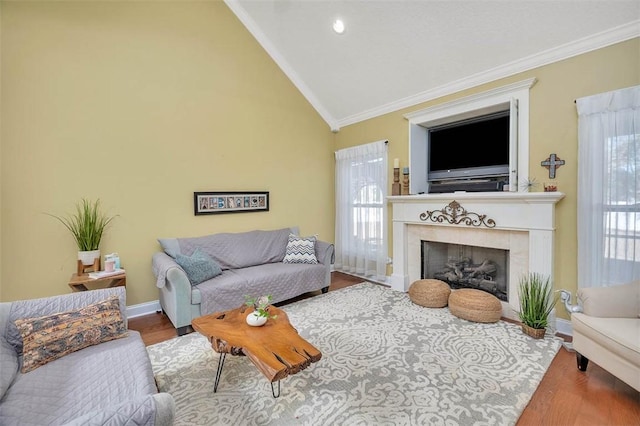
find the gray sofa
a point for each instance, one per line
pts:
(251, 263)
(107, 384)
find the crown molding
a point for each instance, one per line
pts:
(448, 106)
(266, 44)
(565, 51)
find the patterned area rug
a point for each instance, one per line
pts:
(384, 360)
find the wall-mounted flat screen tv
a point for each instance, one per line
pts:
(469, 149)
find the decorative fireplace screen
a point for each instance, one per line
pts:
(467, 267)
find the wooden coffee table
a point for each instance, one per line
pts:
(276, 348)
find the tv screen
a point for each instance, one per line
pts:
(481, 142)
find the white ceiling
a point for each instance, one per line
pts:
(397, 53)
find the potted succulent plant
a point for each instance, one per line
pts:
(536, 303)
(261, 313)
(86, 225)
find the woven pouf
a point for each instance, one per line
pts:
(475, 305)
(430, 293)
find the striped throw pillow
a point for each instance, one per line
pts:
(301, 250)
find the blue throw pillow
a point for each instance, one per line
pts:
(199, 266)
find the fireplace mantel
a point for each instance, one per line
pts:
(523, 222)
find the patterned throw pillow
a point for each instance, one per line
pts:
(51, 337)
(300, 250)
(199, 266)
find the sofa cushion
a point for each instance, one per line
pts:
(300, 250)
(281, 280)
(95, 378)
(239, 250)
(50, 337)
(227, 280)
(199, 266)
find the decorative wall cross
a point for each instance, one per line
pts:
(552, 163)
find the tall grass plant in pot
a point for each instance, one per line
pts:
(87, 225)
(536, 303)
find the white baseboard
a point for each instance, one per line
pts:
(564, 326)
(143, 309)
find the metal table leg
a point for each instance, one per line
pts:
(219, 371)
(273, 392)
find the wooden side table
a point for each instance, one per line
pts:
(84, 283)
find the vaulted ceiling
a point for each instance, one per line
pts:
(396, 53)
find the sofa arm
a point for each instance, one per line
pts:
(175, 289)
(621, 301)
(324, 252)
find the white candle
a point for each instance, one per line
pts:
(396, 163)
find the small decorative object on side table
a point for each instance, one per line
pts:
(85, 282)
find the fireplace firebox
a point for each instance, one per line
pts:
(465, 266)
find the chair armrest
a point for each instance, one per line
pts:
(621, 301)
(325, 252)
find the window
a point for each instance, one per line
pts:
(361, 234)
(609, 188)
(622, 195)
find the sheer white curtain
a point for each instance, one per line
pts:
(609, 188)
(361, 228)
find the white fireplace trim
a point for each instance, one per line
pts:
(524, 225)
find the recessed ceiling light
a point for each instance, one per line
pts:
(338, 26)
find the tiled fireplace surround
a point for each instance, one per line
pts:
(524, 225)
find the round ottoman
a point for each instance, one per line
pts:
(430, 293)
(475, 305)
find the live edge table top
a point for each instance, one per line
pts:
(276, 348)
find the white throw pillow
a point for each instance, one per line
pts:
(301, 250)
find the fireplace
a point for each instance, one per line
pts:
(522, 225)
(463, 266)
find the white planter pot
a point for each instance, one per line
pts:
(255, 320)
(88, 257)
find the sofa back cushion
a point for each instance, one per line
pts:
(618, 301)
(240, 250)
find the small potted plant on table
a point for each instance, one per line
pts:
(536, 304)
(87, 225)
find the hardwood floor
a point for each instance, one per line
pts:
(566, 396)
